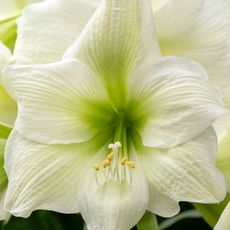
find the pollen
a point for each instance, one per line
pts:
(115, 167)
(96, 167)
(124, 160)
(106, 163)
(130, 164)
(110, 156)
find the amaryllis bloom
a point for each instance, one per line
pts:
(113, 129)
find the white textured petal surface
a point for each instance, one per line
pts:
(46, 176)
(58, 103)
(198, 30)
(176, 99)
(224, 221)
(47, 29)
(183, 173)
(114, 205)
(118, 37)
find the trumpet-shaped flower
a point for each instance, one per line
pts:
(113, 129)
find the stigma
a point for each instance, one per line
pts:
(114, 167)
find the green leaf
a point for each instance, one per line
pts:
(212, 212)
(148, 221)
(4, 131)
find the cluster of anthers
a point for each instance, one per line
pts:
(114, 168)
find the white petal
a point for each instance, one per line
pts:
(47, 29)
(224, 221)
(114, 205)
(8, 8)
(176, 101)
(119, 37)
(4, 215)
(46, 176)
(199, 31)
(183, 173)
(62, 102)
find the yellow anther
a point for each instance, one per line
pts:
(124, 160)
(106, 163)
(110, 156)
(130, 164)
(96, 167)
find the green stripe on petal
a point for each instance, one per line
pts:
(175, 101)
(59, 103)
(119, 37)
(48, 176)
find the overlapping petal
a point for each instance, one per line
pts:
(114, 205)
(47, 176)
(119, 37)
(199, 31)
(47, 29)
(184, 173)
(62, 102)
(177, 101)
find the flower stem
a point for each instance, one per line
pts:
(148, 221)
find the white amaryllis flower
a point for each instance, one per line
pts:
(113, 129)
(224, 221)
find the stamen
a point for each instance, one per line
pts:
(115, 148)
(117, 170)
(130, 164)
(110, 156)
(96, 167)
(106, 163)
(124, 160)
